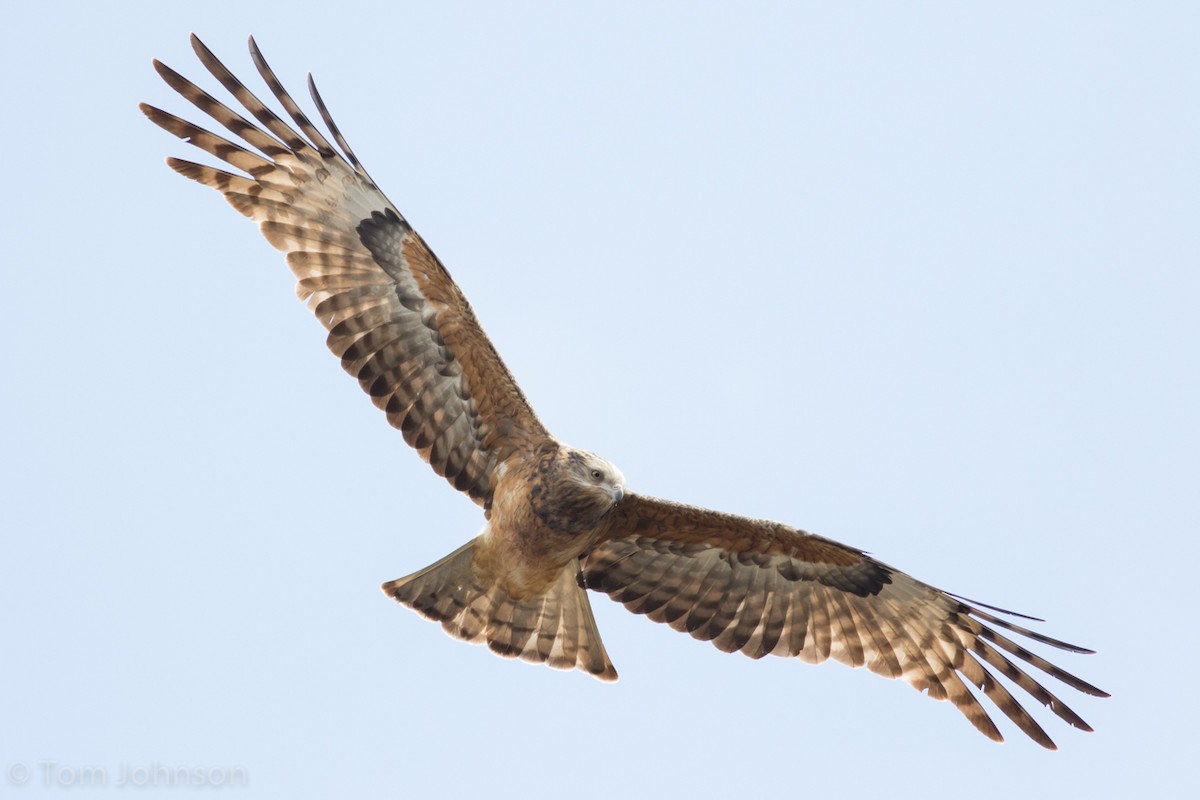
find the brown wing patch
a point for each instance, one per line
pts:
(746, 537)
(503, 400)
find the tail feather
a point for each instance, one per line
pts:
(555, 628)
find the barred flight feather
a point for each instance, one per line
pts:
(857, 611)
(353, 255)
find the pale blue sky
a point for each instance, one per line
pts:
(923, 278)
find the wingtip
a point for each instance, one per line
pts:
(196, 172)
(995, 608)
(255, 53)
(156, 115)
(201, 49)
(173, 78)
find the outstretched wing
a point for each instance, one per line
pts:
(760, 587)
(395, 318)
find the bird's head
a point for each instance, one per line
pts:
(577, 490)
(597, 476)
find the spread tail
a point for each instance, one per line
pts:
(554, 628)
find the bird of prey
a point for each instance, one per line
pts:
(560, 520)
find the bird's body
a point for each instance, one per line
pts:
(559, 520)
(530, 537)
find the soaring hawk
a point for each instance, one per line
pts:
(559, 520)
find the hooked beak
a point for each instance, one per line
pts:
(618, 493)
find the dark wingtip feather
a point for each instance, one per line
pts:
(165, 72)
(162, 119)
(255, 54)
(995, 608)
(187, 169)
(200, 48)
(333, 128)
(315, 137)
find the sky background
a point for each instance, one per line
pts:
(923, 278)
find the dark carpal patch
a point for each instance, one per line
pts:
(383, 234)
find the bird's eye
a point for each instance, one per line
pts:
(597, 475)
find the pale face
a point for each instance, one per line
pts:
(579, 489)
(592, 470)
